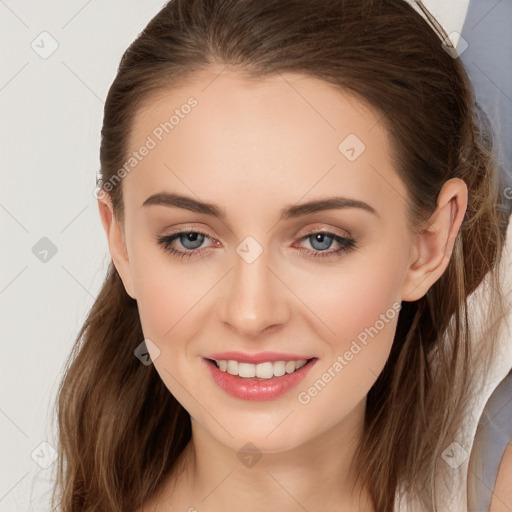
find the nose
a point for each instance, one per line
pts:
(254, 300)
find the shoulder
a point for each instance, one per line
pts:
(502, 495)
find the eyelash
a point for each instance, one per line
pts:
(347, 245)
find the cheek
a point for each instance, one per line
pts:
(352, 298)
(164, 291)
(166, 302)
(361, 311)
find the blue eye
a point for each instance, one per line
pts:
(325, 240)
(192, 241)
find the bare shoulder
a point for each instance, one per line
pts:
(502, 495)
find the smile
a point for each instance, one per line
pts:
(266, 380)
(266, 370)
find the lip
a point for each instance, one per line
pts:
(254, 388)
(260, 357)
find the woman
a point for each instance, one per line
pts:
(298, 197)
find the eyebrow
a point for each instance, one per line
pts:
(293, 211)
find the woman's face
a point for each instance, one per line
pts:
(260, 279)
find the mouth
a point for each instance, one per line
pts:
(262, 371)
(261, 381)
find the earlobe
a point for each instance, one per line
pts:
(432, 247)
(116, 243)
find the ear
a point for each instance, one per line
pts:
(116, 242)
(432, 247)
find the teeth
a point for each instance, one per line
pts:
(246, 370)
(262, 370)
(290, 366)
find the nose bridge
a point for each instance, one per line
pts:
(255, 299)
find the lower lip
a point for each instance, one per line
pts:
(255, 389)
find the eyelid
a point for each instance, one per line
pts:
(186, 229)
(322, 228)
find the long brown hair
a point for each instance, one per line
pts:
(120, 429)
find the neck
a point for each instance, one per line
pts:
(313, 476)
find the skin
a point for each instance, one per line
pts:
(253, 149)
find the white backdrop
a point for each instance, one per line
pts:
(58, 60)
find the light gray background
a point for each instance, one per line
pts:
(51, 115)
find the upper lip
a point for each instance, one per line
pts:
(260, 357)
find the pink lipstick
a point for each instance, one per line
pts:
(252, 387)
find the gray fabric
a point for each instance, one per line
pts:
(488, 60)
(494, 432)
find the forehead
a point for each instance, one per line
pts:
(282, 138)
